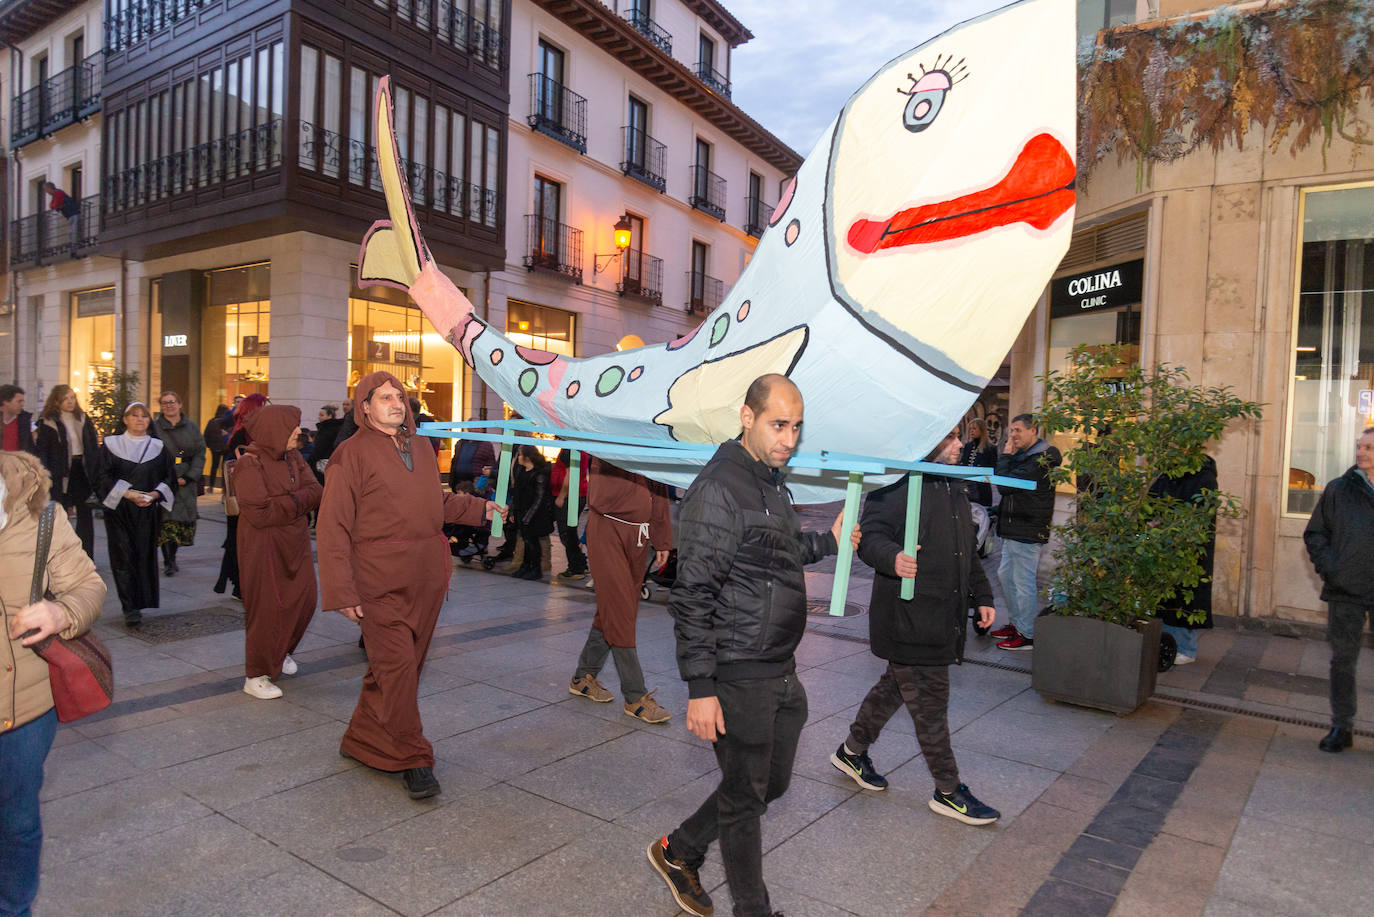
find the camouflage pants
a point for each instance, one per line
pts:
(924, 689)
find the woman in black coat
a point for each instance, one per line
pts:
(67, 445)
(534, 505)
(979, 452)
(1186, 489)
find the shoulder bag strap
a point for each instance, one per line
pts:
(40, 554)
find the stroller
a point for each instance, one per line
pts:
(663, 576)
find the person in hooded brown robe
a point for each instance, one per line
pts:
(628, 515)
(384, 563)
(276, 492)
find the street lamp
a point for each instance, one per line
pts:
(622, 242)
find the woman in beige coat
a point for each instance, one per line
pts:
(28, 722)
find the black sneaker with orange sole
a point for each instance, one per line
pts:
(682, 880)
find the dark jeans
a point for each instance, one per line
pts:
(925, 691)
(577, 561)
(215, 459)
(22, 753)
(763, 720)
(1344, 631)
(78, 495)
(593, 657)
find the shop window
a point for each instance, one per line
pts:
(92, 345)
(236, 332)
(540, 327)
(1333, 355)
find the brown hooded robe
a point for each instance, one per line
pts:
(621, 503)
(381, 545)
(276, 490)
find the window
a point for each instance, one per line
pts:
(634, 255)
(703, 168)
(485, 159)
(706, 54)
(1094, 15)
(550, 95)
(1333, 359)
(635, 137)
(698, 281)
(548, 200)
(236, 332)
(92, 342)
(540, 327)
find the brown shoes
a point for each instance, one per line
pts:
(647, 709)
(587, 686)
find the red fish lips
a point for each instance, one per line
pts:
(1037, 190)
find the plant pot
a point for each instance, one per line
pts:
(1094, 663)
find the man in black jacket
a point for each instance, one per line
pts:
(739, 606)
(1340, 541)
(1023, 521)
(921, 637)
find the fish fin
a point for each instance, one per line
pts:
(394, 253)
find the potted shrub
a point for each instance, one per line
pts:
(111, 392)
(1126, 551)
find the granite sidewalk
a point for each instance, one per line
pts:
(189, 797)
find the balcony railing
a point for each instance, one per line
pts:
(553, 247)
(650, 29)
(558, 111)
(756, 216)
(247, 152)
(63, 99)
(708, 192)
(141, 19)
(644, 158)
(321, 152)
(48, 237)
(714, 79)
(704, 293)
(642, 277)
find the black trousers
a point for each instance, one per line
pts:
(1344, 631)
(577, 561)
(215, 459)
(924, 689)
(763, 721)
(77, 497)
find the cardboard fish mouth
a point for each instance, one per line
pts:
(1037, 190)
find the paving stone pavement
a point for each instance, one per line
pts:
(189, 797)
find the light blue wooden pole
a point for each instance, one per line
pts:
(502, 487)
(913, 529)
(574, 487)
(847, 520)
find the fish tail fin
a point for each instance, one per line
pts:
(393, 251)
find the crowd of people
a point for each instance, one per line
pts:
(386, 531)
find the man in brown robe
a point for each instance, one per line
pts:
(384, 563)
(628, 515)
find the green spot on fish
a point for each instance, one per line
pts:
(718, 329)
(609, 380)
(529, 380)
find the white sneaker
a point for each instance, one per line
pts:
(288, 665)
(261, 688)
(1184, 659)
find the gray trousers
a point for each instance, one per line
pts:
(924, 689)
(594, 653)
(1345, 631)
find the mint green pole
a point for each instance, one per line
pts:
(912, 530)
(847, 521)
(574, 487)
(502, 487)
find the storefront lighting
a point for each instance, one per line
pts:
(622, 242)
(522, 326)
(1307, 350)
(107, 355)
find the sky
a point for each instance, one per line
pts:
(807, 57)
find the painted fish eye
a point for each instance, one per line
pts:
(922, 108)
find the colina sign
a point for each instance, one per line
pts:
(1092, 283)
(1107, 287)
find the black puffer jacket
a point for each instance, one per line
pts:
(739, 601)
(929, 629)
(1340, 540)
(1025, 515)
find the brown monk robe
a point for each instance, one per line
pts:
(276, 492)
(384, 562)
(628, 514)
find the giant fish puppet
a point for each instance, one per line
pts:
(899, 266)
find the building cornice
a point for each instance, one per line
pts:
(19, 19)
(622, 41)
(720, 19)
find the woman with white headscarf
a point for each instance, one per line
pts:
(136, 482)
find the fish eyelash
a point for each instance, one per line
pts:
(957, 71)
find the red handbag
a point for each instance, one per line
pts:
(79, 670)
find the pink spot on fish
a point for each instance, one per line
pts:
(783, 202)
(557, 368)
(685, 339)
(535, 357)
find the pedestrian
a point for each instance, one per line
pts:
(1340, 541)
(471, 459)
(67, 205)
(384, 564)
(417, 411)
(238, 440)
(136, 481)
(215, 436)
(29, 724)
(327, 424)
(979, 452)
(1023, 522)
(1188, 488)
(348, 426)
(628, 518)
(560, 477)
(66, 442)
(533, 505)
(920, 637)
(16, 424)
(186, 443)
(276, 491)
(739, 607)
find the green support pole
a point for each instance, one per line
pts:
(913, 523)
(851, 516)
(502, 487)
(574, 487)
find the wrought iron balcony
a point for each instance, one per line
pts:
(708, 192)
(644, 158)
(642, 277)
(63, 99)
(465, 32)
(704, 293)
(650, 29)
(757, 215)
(141, 19)
(247, 152)
(553, 247)
(49, 237)
(714, 79)
(558, 111)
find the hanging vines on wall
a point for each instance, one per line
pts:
(1158, 92)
